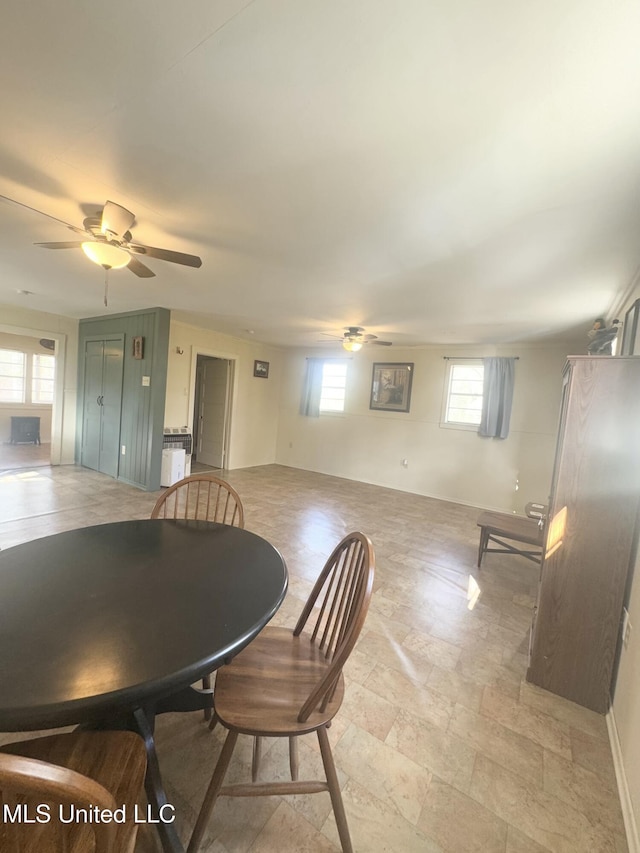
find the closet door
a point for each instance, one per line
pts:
(103, 366)
(92, 413)
(111, 406)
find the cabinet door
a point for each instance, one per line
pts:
(590, 533)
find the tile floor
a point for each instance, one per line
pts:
(440, 744)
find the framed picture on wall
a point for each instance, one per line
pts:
(631, 331)
(261, 369)
(391, 386)
(138, 347)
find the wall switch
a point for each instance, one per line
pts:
(405, 463)
(146, 380)
(124, 450)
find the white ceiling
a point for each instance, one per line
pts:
(438, 171)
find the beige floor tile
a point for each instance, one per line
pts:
(391, 777)
(443, 754)
(564, 711)
(438, 652)
(460, 824)
(395, 656)
(367, 709)
(551, 822)
(594, 753)
(517, 842)
(502, 745)
(378, 828)
(535, 725)
(580, 788)
(455, 687)
(424, 703)
(288, 832)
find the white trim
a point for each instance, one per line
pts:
(631, 828)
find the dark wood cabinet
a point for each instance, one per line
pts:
(25, 430)
(593, 516)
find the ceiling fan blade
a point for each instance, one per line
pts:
(42, 213)
(116, 219)
(72, 245)
(381, 343)
(167, 255)
(370, 337)
(139, 269)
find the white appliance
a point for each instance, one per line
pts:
(173, 465)
(175, 437)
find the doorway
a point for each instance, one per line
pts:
(31, 362)
(212, 410)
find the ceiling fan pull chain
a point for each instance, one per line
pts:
(106, 285)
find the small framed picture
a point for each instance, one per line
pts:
(138, 347)
(261, 369)
(391, 387)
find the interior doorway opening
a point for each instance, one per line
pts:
(212, 411)
(30, 422)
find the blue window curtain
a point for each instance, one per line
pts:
(312, 388)
(497, 397)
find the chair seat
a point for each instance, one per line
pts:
(517, 527)
(263, 689)
(116, 760)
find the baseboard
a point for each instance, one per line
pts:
(630, 825)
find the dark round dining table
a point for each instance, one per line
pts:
(118, 620)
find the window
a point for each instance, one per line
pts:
(42, 378)
(334, 383)
(463, 405)
(13, 367)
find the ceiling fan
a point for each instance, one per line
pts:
(354, 339)
(108, 242)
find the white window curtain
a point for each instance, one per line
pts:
(312, 389)
(497, 397)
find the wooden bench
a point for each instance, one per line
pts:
(498, 526)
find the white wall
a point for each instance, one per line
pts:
(626, 700)
(453, 464)
(64, 330)
(254, 422)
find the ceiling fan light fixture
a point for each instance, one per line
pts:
(106, 255)
(351, 345)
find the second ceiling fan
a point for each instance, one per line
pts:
(354, 339)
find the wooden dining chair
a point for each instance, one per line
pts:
(207, 498)
(289, 684)
(201, 496)
(54, 777)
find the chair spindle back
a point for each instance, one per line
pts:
(203, 497)
(340, 599)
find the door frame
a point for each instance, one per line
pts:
(231, 393)
(57, 406)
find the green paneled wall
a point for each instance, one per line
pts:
(142, 419)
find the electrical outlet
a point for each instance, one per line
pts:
(405, 463)
(124, 449)
(626, 627)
